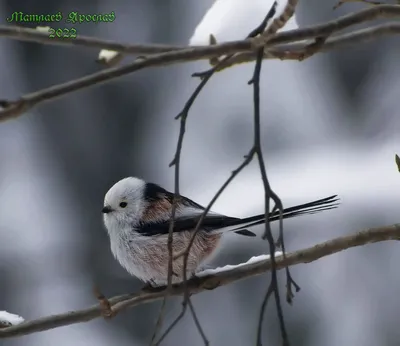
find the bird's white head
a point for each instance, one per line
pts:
(124, 204)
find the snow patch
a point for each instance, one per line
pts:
(229, 20)
(7, 319)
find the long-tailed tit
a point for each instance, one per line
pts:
(137, 217)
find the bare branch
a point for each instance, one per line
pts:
(262, 313)
(32, 35)
(331, 27)
(205, 77)
(15, 108)
(299, 51)
(197, 285)
(268, 194)
(176, 162)
(280, 22)
(197, 323)
(173, 324)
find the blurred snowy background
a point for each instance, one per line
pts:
(330, 126)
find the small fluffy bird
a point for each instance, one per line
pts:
(137, 217)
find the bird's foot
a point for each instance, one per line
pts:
(105, 306)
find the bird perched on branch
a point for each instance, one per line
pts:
(137, 216)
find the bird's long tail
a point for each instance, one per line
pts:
(317, 206)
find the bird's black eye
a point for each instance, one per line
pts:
(123, 204)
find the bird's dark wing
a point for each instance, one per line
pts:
(328, 203)
(184, 223)
(157, 214)
(156, 218)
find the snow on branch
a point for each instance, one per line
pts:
(7, 319)
(209, 281)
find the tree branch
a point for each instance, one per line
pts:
(183, 114)
(197, 285)
(279, 22)
(331, 27)
(268, 194)
(33, 35)
(299, 51)
(205, 77)
(12, 109)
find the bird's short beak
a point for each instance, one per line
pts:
(106, 209)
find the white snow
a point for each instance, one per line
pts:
(252, 260)
(7, 319)
(231, 20)
(109, 57)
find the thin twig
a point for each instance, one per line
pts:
(280, 22)
(32, 35)
(331, 27)
(197, 323)
(174, 322)
(176, 162)
(196, 285)
(205, 77)
(268, 194)
(170, 258)
(256, 149)
(301, 51)
(261, 316)
(15, 108)
(249, 156)
(254, 33)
